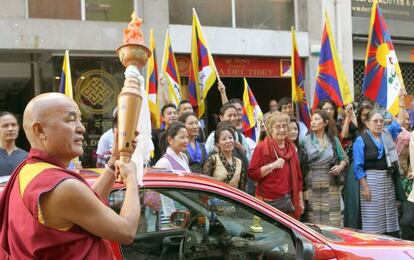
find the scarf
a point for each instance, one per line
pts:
(230, 167)
(195, 154)
(290, 156)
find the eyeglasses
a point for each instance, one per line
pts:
(378, 121)
(327, 109)
(280, 127)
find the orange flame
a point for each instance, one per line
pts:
(133, 34)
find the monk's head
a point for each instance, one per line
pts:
(52, 123)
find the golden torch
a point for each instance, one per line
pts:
(132, 52)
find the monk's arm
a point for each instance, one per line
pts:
(104, 183)
(73, 202)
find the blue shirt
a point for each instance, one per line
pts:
(358, 148)
(9, 162)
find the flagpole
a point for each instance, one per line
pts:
(210, 55)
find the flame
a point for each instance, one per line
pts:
(133, 34)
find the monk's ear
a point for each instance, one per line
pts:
(38, 130)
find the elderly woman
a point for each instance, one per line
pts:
(275, 168)
(196, 152)
(375, 166)
(223, 165)
(326, 160)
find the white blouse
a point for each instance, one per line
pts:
(180, 158)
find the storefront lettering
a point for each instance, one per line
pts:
(242, 72)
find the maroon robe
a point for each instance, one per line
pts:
(22, 236)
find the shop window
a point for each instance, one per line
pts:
(265, 14)
(210, 12)
(54, 9)
(109, 10)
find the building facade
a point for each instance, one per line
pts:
(247, 39)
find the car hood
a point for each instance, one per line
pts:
(358, 237)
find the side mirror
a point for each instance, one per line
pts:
(304, 249)
(180, 219)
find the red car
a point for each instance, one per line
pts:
(190, 216)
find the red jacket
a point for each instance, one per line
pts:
(280, 181)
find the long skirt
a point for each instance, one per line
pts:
(379, 215)
(352, 214)
(324, 198)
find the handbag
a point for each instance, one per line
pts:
(283, 204)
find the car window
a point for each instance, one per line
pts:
(156, 209)
(245, 232)
(217, 227)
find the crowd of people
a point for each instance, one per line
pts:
(351, 168)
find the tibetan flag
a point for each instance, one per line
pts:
(152, 84)
(171, 73)
(331, 82)
(66, 88)
(66, 77)
(202, 69)
(382, 76)
(252, 114)
(298, 89)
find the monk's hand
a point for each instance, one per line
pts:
(128, 171)
(410, 175)
(366, 193)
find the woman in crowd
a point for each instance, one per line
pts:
(402, 146)
(195, 152)
(228, 113)
(174, 158)
(294, 132)
(326, 160)
(407, 223)
(364, 109)
(275, 168)
(350, 191)
(330, 108)
(223, 165)
(375, 165)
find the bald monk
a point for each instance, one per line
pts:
(50, 212)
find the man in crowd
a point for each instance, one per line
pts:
(10, 154)
(272, 108)
(50, 212)
(286, 107)
(159, 138)
(103, 151)
(239, 107)
(185, 107)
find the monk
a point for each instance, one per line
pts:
(50, 212)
